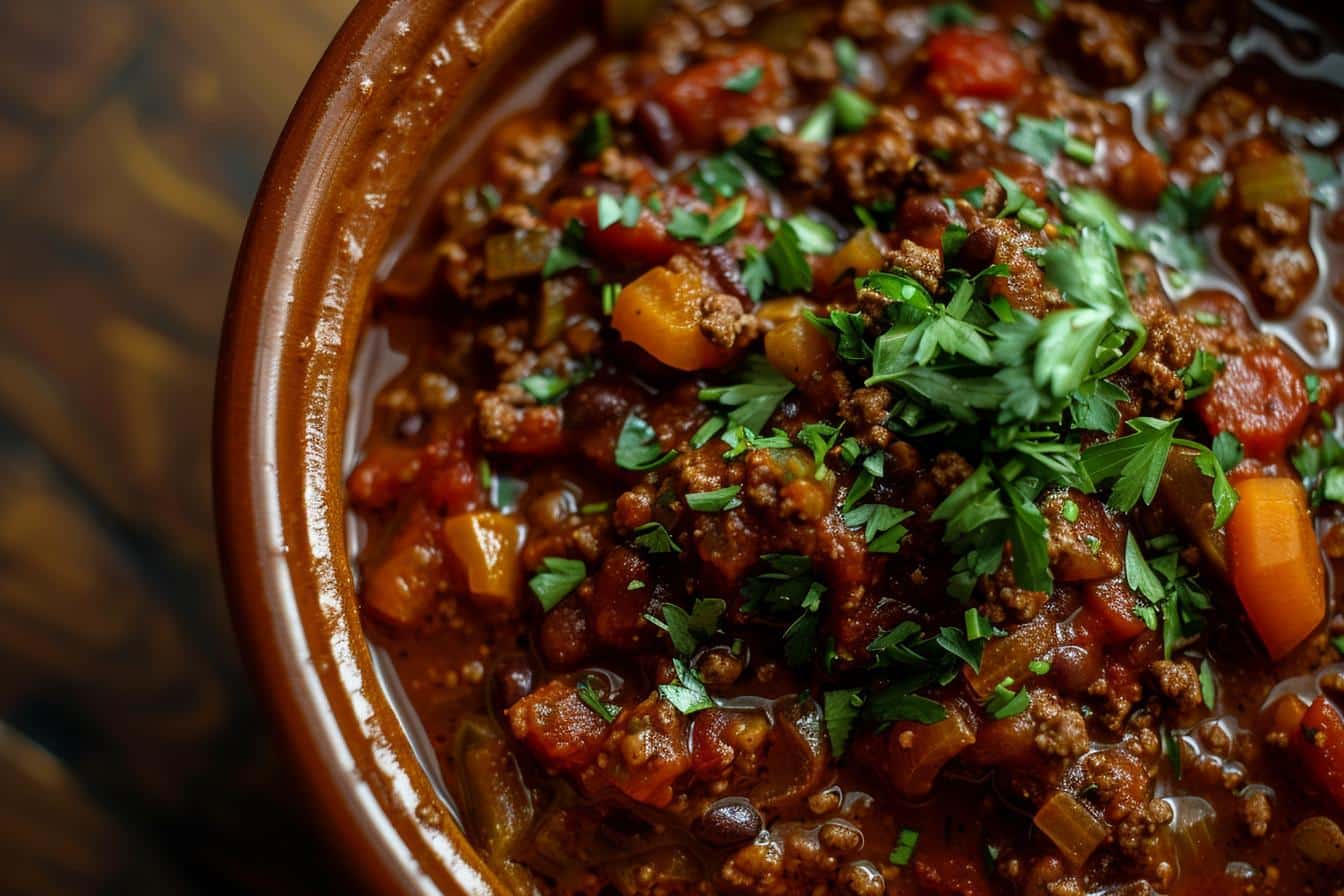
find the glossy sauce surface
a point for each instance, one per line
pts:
(469, 661)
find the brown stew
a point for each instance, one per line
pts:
(864, 448)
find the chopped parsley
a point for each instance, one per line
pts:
(847, 60)
(637, 446)
(1038, 138)
(881, 524)
(906, 841)
(707, 231)
(947, 15)
(568, 253)
(1321, 466)
(1208, 688)
(558, 577)
(751, 400)
(612, 211)
(718, 177)
(589, 696)
(596, 135)
(714, 501)
(687, 694)
(1175, 602)
(545, 387)
(654, 538)
(841, 709)
(688, 631)
(789, 592)
(746, 80)
(1005, 702)
(1171, 747)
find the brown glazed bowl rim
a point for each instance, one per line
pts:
(393, 81)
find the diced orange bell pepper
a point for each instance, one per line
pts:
(1276, 562)
(485, 546)
(660, 312)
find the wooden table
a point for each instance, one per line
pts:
(133, 757)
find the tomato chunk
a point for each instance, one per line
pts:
(644, 245)
(557, 726)
(645, 752)
(1323, 747)
(964, 62)
(699, 103)
(1260, 398)
(1276, 562)
(401, 586)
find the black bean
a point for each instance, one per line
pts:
(729, 821)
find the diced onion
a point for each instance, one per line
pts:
(1278, 180)
(1071, 826)
(519, 253)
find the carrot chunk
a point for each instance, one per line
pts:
(1276, 562)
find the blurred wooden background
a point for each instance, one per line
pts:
(132, 136)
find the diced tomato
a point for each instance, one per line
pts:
(616, 612)
(1323, 747)
(1111, 603)
(383, 474)
(644, 245)
(454, 488)
(699, 103)
(558, 727)
(1260, 398)
(401, 585)
(964, 62)
(645, 752)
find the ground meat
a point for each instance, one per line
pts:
(1006, 602)
(526, 155)
(1272, 252)
(790, 857)
(509, 419)
(925, 265)
(862, 18)
(1103, 46)
(815, 62)
(1178, 681)
(1255, 810)
(1060, 730)
(866, 407)
(871, 166)
(725, 323)
(1025, 286)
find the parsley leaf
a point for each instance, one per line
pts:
(1005, 702)
(688, 694)
(1208, 686)
(746, 80)
(946, 15)
(1039, 138)
(568, 253)
(841, 709)
(849, 327)
(688, 630)
(754, 398)
(637, 446)
(702, 228)
(881, 524)
(596, 135)
(908, 837)
(558, 577)
(714, 501)
(654, 538)
(1134, 462)
(589, 696)
(718, 177)
(847, 59)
